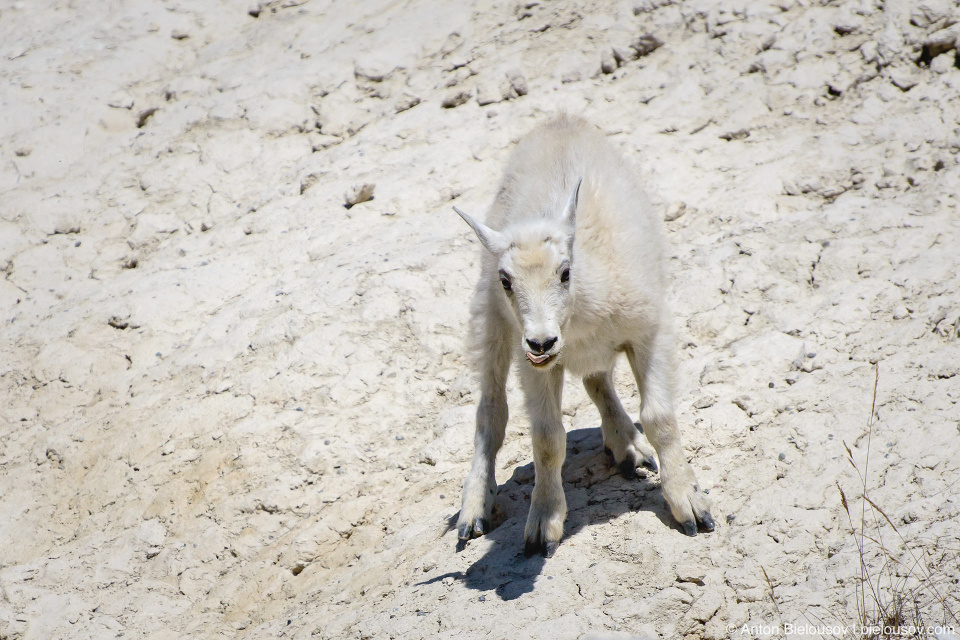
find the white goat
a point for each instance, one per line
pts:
(574, 277)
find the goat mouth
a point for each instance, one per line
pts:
(541, 360)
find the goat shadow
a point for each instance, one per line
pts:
(595, 492)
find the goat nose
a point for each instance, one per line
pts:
(541, 347)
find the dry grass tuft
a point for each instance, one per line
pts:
(904, 588)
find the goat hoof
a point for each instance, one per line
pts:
(628, 468)
(480, 527)
(706, 521)
(651, 464)
(690, 528)
(466, 531)
(531, 548)
(550, 548)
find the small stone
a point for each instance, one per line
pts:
(118, 323)
(456, 99)
(691, 572)
(406, 101)
(675, 210)
(488, 93)
(624, 55)
(904, 77)
(23, 152)
(739, 134)
(358, 193)
(608, 64)
(782, 457)
(518, 81)
(748, 405)
(153, 552)
(309, 180)
(177, 34)
(704, 402)
(646, 44)
(145, 115)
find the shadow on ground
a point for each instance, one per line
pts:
(595, 492)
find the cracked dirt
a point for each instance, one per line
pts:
(233, 406)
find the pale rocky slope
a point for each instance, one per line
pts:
(231, 407)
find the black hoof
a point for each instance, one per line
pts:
(690, 528)
(480, 527)
(650, 464)
(706, 521)
(531, 548)
(550, 548)
(463, 532)
(628, 469)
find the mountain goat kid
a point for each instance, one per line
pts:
(573, 276)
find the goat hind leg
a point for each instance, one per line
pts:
(628, 446)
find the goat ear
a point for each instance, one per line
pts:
(492, 240)
(570, 211)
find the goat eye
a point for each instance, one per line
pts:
(505, 281)
(565, 275)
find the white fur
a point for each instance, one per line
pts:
(569, 199)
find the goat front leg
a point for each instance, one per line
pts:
(480, 486)
(548, 505)
(654, 370)
(620, 436)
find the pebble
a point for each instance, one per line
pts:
(518, 81)
(456, 99)
(675, 210)
(489, 93)
(358, 193)
(407, 101)
(608, 64)
(691, 572)
(646, 44)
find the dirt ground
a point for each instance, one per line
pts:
(232, 407)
